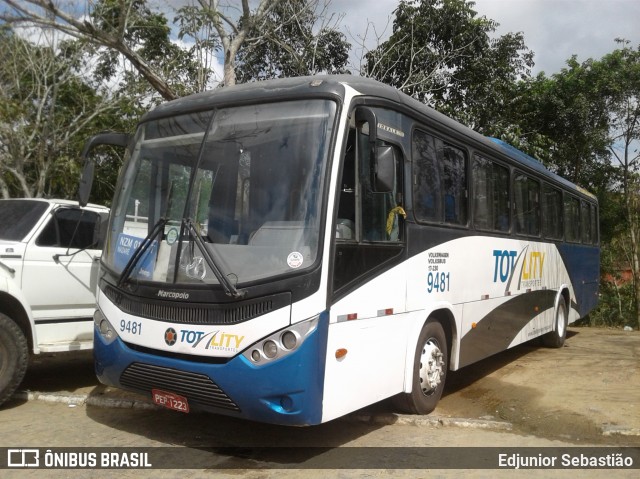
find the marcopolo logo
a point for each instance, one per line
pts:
(172, 294)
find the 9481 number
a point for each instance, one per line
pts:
(438, 282)
(132, 327)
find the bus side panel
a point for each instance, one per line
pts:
(375, 343)
(508, 288)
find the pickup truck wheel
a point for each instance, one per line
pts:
(14, 357)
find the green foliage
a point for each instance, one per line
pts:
(288, 45)
(148, 33)
(441, 53)
(616, 306)
(48, 108)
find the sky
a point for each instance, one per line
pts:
(553, 29)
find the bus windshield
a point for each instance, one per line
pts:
(237, 189)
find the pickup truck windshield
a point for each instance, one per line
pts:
(249, 181)
(18, 217)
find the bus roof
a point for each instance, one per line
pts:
(334, 86)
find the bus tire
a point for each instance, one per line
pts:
(14, 357)
(555, 338)
(429, 371)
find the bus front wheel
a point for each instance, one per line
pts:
(429, 371)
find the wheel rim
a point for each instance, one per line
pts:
(560, 321)
(431, 367)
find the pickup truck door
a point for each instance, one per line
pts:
(60, 273)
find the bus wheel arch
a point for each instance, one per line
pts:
(429, 366)
(556, 337)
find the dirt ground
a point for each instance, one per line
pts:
(587, 391)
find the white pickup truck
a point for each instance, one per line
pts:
(49, 260)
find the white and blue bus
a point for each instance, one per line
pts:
(290, 251)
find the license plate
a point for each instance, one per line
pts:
(170, 400)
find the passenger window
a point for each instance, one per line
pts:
(439, 181)
(527, 205)
(426, 179)
(455, 185)
(571, 219)
(491, 195)
(585, 221)
(552, 213)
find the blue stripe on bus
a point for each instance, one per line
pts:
(583, 265)
(287, 391)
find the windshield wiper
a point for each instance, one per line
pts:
(142, 249)
(229, 288)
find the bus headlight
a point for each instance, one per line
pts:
(281, 343)
(104, 327)
(270, 349)
(289, 340)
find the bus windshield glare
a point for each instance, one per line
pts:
(237, 189)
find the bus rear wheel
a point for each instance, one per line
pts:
(429, 371)
(555, 338)
(14, 357)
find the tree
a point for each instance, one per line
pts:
(586, 125)
(148, 35)
(233, 29)
(624, 115)
(129, 28)
(567, 120)
(47, 109)
(441, 53)
(114, 24)
(293, 44)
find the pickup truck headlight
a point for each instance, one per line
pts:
(104, 327)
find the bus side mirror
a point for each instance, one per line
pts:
(386, 161)
(86, 179)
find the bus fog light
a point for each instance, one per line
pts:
(105, 328)
(270, 349)
(255, 355)
(286, 402)
(289, 340)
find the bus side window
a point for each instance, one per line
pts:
(527, 205)
(490, 195)
(455, 184)
(571, 219)
(439, 181)
(379, 209)
(426, 178)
